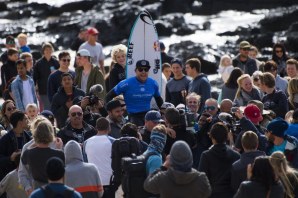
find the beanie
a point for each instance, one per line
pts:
(181, 157)
(278, 127)
(55, 169)
(157, 141)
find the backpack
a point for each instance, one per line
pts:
(122, 147)
(134, 175)
(49, 193)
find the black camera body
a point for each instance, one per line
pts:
(231, 122)
(187, 119)
(93, 99)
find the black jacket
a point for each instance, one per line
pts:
(67, 133)
(239, 169)
(42, 71)
(217, 164)
(59, 107)
(277, 102)
(117, 74)
(249, 189)
(165, 58)
(8, 71)
(8, 145)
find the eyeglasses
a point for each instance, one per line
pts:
(140, 69)
(74, 114)
(65, 60)
(209, 108)
(11, 108)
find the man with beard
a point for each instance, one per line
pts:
(115, 118)
(76, 129)
(279, 141)
(242, 60)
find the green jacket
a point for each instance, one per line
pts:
(95, 77)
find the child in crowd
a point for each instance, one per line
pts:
(10, 183)
(23, 89)
(31, 111)
(225, 67)
(22, 39)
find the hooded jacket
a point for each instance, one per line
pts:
(83, 177)
(200, 85)
(176, 184)
(239, 169)
(217, 164)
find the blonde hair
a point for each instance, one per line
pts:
(160, 128)
(292, 90)
(193, 95)
(35, 122)
(25, 55)
(31, 105)
(223, 58)
(44, 132)
(284, 172)
(239, 81)
(22, 36)
(116, 49)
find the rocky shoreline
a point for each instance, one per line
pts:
(115, 18)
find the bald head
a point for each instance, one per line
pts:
(75, 108)
(226, 105)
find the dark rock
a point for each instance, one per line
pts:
(292, 38)
(163, 28)
(154, 10)
(188, 49)
(78, 5)
(279, 19)
(185, 30)
(3, 6)
(173, 6)
(214, 6)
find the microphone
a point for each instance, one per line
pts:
(96, 89)
(225, 117)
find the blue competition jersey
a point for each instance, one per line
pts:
(137, 95)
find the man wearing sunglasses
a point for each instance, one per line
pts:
(54, 81)
(138, 92)
(76, 129)
(242, 60)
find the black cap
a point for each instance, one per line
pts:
(143, 63)
(113, 104)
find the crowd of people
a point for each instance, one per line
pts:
(61, 129)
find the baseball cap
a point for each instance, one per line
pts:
(143, 63)
(244, 44)
(278, 126)
(166, 105)
(83, 52)
(253, 113)
(92, 31)
(47, 114)
(153, 116)
(113, 104)
(10, 40)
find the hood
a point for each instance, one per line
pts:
(219, 151)
(73, 152)
(250, 156)
(201, 75)
(183, 178)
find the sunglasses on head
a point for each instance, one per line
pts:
(11, 108)
(141, 69)
(65, 60)
(79, 114)
(209, 108)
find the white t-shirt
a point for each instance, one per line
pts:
(95, 52)
(27, 93)
(99, 152)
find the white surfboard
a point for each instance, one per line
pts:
(143, 43)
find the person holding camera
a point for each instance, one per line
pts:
(63, 99)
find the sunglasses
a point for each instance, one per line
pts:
(74, 114)
(245, 49)
(65, 60)
(11, 108)
(278, 51)
(209, 108)
(140, 69)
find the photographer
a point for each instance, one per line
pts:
(63, 99)
(250, 122)
(176, 121)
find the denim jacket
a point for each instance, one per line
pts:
(17, 91)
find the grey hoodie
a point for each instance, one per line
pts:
(83, 177)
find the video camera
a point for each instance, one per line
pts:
(187, 119)
(94, 92)
(231, 122)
